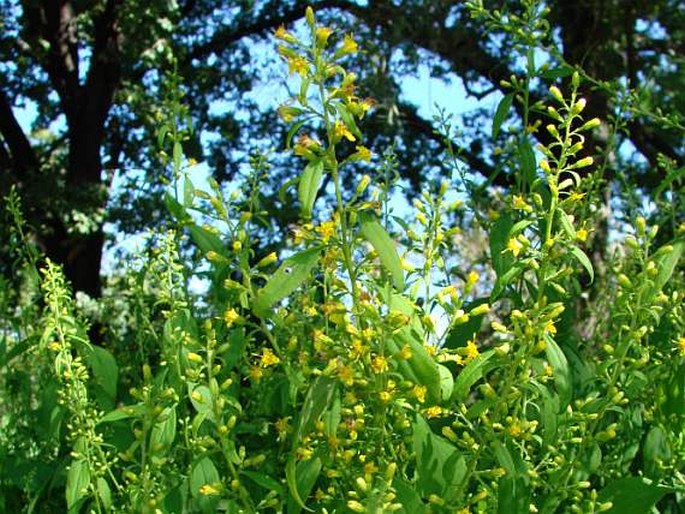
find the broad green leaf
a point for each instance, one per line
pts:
(655, 450)
(300, 481)
(308, 188)
(504, 280)
(164, 432)
(319, 398)
(528, 162)
(175, 208)
(188, 192)
(459, 335)
(513, 495)
(348, 120)
(421, 368)
(468, 376)
(440, 466)
(129, 411)
(294, 270)
(408, 497)
(499, 235)
(292, 131)
(105, 370)
(204, 472)
(632, 495)
(566, 224)
(666, 263)
(104, 492)
(263, 480)
(206, 240)
(446, 382)
(177, 155)
(674, 393)
(556, 73)
(584, 260)
(78, 481)
(203, 400)
(501, 113)
(563, 381)
(375, 234)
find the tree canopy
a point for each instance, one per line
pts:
(97, 73)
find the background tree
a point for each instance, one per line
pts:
(95, 72)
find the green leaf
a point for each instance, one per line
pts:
(375, 234)
(440, 467)
(105, 370)
(504, 280)
(308, 188)
(175, 208)
(446, 382)
(204, 472)
(459, 335)
(408, 497)
(188, 192)
(557, 73)
(203, 400)
(584, 260)
(566, 224)
(104, 492)
(348, 120)
(205, 240)
(666, 263)
(513, 496)
(499, 235)
(294, 270)
(177, 155)
(164, 432)
(264, 480)
(632, 495)
(292, 131)
(300, 481)
(501, 113)
(528, 162)
(78, 481)
(563, 381)
(318, 399)
(674, 393)
(421, 367)
(471, 373)
(655, 450)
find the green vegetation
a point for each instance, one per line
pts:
(479, 354)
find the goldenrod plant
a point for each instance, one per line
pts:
(370, 366)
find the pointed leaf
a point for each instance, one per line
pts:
(288, 277)
(308, 187)
(501, 113)
(375, 234)
(584, 260)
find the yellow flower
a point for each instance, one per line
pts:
(520, 204)
(379, 364)
(514, 246)
(209, 490)
(471, 351)
(282, 34)
(346, 375)
(550, 328)
(581, 235)
(230, 316)
(298, 65)
(268, 358)
(680, 345)
(349, 45)
(362, 154)
(326, 230)
(419, 392)
(282, 427)
(434, 412)
(340, 130)
(322, 35)
(256, 373)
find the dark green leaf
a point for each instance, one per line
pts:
(501, 113)
(584, 260)
(308, 188)
(471, 373)
(294, 270)
(632, 495)
(375, 234)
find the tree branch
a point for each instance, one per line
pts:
(23, 156)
